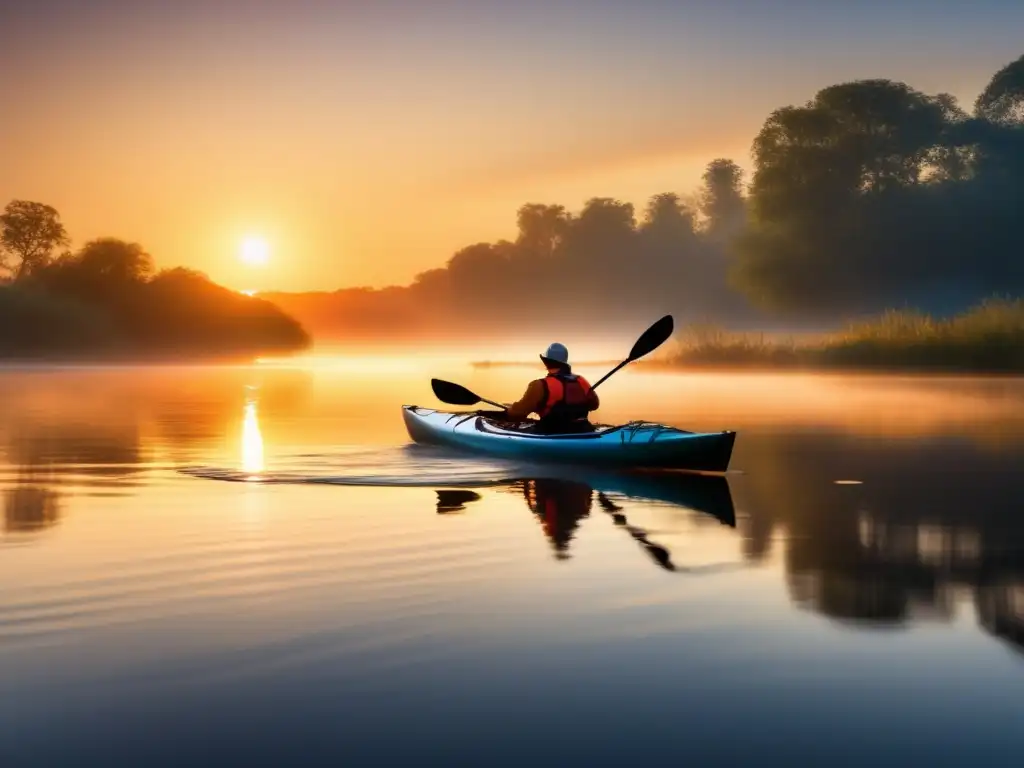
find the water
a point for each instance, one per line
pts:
(851, 592)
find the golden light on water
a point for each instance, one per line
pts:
(252, 440)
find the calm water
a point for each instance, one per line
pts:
(852, 592)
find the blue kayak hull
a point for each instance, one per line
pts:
(635, 445)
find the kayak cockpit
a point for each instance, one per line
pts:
(529, 427)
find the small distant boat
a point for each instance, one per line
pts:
(636, 445)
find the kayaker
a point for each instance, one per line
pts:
(561, 399)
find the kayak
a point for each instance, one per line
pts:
(638, 444)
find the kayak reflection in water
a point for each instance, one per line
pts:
(561, 505)
(562, 399)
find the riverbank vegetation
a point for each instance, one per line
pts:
(986, 338)
(106, 301)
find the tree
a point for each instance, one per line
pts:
(667, 236)
(30, 232)
(666, 213)
(104, 270)
(721, 200)
(1002, 101)
(601, 235)
(598, 249)
(886, 128)
(954, 158)
(479, 267)
(840, 216)
(542, 228)
(115, 261)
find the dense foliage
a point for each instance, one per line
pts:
(105, 300)
(874, 195)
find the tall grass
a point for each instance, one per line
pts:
(988, 337)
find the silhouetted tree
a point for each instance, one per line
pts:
(600, 241)
(667, 219)
(116, 260)
(875, 194)
(1002, 101)
(30, 232)
(954, 157)
(721, 200)
(103, 270)
(668, 246)
(542, 228)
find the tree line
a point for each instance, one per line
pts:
(602, 263)
(107, 299)
(871, 195)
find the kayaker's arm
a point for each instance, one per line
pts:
(531, 401)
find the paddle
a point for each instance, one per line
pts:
(456, 394)
(649, 341)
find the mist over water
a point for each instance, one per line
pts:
(856, 579)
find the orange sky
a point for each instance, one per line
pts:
(368, 145)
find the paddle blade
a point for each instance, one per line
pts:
(652, 338)
(453, 394)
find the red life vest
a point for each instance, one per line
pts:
(571, 391)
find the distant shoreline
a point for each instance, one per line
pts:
(986, 339)
(682, 366)
(93, 359)
(536, 363)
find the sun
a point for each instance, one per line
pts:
(255, 251)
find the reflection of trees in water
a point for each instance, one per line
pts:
(1001, 610)
(30, 508)
(47, 458)
(96, 418)
(59, 432)
(933, 518)
(84, 431)
(92, 450)
(74, 425)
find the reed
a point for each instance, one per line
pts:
(987, 337)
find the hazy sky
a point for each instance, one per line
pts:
(366, 141)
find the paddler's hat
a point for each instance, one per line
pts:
(556, 356)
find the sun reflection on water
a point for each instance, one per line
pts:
(252, 440)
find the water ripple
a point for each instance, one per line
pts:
(405, 466)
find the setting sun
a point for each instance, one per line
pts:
(255, 252)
